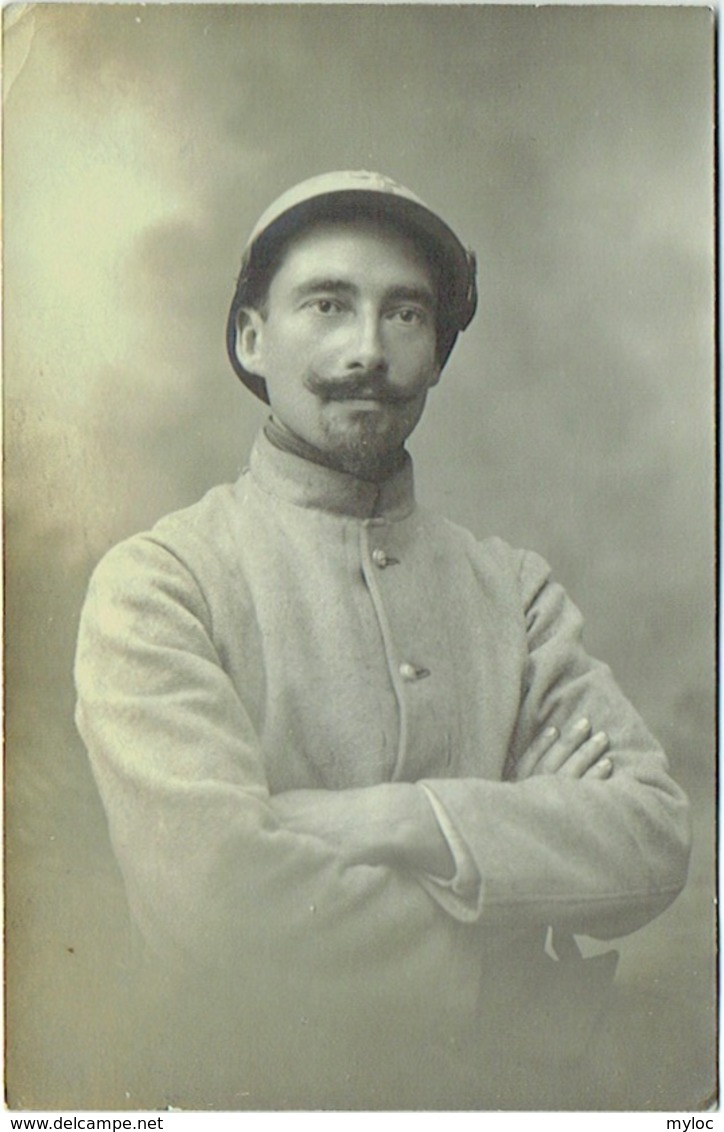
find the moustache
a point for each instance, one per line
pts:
(362, 387)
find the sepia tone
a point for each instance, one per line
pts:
(573, 149)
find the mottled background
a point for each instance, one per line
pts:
(572, 148)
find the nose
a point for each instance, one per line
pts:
(366, 349)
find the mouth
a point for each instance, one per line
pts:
(363, 398)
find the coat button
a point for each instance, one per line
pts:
(411, 672)
(381, 558)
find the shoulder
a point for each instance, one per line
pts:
(516, 580)
(491, 557)
(206, 524)
(181, 555)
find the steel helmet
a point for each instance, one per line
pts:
(344, 196)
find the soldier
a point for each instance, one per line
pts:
(356, 764)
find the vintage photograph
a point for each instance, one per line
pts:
(359, 550)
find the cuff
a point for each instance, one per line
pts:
(461, 895)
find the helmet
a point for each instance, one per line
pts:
(345, 196)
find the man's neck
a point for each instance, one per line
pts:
(283, 438)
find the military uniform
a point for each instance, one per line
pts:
(307, 629)
(312, 629)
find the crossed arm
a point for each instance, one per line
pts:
(393, 823)
(585, 831)
(209, 855)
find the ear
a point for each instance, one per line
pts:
(249, 340)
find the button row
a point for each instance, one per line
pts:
(409, 672)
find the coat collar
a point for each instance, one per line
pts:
(305, 484)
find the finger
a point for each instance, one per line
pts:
(569, 742)
(586, 756)
(525, 766)
(602, 769)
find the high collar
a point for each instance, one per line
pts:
(305, 484)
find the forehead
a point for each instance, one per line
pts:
(364, 248)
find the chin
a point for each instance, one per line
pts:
(365, 444)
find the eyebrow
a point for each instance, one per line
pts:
(423, 295)
(324, 283)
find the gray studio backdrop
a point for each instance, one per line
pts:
(572, 148)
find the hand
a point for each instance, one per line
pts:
(574, 754)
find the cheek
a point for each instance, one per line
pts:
(420, 369)
(292, 350)
(414, 355)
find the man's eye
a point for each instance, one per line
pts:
(410, 316)
(325, 306)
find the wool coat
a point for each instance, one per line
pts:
(303, 628)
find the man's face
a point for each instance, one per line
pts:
(346, 342)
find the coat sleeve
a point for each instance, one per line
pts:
(211, 874)
(593, 857)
